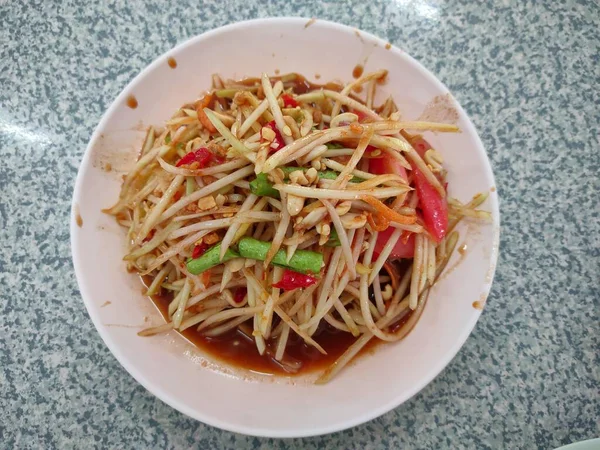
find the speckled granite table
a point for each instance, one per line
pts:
(527, 73)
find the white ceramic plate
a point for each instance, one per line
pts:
(180, 375)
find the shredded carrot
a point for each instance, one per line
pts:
(378, 222)
(202, 117)
(386, 212)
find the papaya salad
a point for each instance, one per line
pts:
(272, 209)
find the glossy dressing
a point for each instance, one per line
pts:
(236, 349)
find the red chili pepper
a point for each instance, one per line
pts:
(278, 141)
(239, 295)
(289, 101)
(199, 250)
(187, 159)
(434, 208)
(292, 280)
(202, 156)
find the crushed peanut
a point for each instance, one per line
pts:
(323, 228)
(211, 238)
(221, 199)
(343, 207)
(298, 177)
(267, 133)
(294, 204)
(316, 164)
(323, 239)
(206, 203)
(311, 175)
(354, 221)
(287, 131)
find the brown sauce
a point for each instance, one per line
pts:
(235, 349)
(78, 218)
(172, 63)
(310, 22)
(357, 71)
(132, 102)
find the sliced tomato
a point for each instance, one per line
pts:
(420, 145)
(361, 115)
(386, 164)
(404, 248)
(433, 207)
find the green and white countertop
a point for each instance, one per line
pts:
(527, 73)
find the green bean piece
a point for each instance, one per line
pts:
(303, 261)
(262, 187)
(210, 259)
(334, 239)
